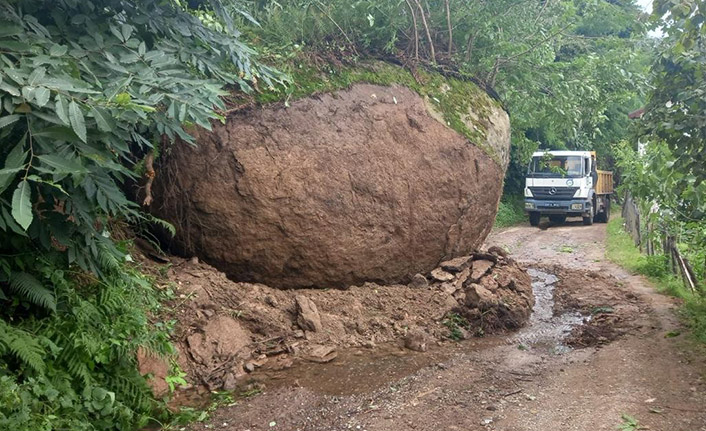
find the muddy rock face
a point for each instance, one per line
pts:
(360, 185)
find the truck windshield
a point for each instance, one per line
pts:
(556, 166)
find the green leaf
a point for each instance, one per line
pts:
(32, 290)
(41, 95)
(58, 50)
(8, 119)
(11, 223)
(36, 76)
(22, 205)
(62, 165)
(103, 120)
(126, 30)
(60, 109)
(10, 89)
(8, 29)
(77, 121)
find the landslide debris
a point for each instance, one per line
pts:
(369, 183)
(226, 330)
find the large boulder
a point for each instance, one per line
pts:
(364, 184)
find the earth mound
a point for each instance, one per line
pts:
(226, 329)
(364, 184)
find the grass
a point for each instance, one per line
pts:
(629, 423)
(621, 250)
(454, 322)
(566, 249)
(510, 211)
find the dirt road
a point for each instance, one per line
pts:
(601, 344)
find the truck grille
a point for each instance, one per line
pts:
(553, 193)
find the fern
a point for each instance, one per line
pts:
(31, 289)
(23, 345)
(161, 223)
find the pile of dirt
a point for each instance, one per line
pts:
(610, 308)
(226, 329)
(364, 184)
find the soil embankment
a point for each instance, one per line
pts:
(227, 330)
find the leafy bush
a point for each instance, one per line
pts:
(87, 89)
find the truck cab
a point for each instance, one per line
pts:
(563, 184)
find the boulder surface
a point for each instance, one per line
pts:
(364, 184)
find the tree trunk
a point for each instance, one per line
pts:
(426, 29)
(416, 32)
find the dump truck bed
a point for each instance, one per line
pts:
(604, 185)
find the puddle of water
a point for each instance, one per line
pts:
(545, 330)
(356, 371)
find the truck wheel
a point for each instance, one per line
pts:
(588, 220)
(606, 213)
(534, 218)
(557, 218)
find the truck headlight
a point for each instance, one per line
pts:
(528, 192)
(529, 205)
(576, 206)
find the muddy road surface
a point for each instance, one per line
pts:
(601, 344)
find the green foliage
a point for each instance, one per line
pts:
(510, 211)
(454, 322)
(76, 368)
(86, 90)
(629, 423)
(86, 87)
(673, 117)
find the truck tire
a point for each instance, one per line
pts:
(604, 216)
(534, 217)
(557, 218)
(588, 220)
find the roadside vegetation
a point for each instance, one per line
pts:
(622, 250)
(510, 211)
(666, 171)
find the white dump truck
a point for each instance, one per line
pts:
(563, 184)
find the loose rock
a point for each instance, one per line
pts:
(440, 275)
(308, 314)
(480, 268)
(322, 354)
(419, 282)
(416, 340)
(456, 265)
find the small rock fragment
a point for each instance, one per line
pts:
(497, 250)
(448, 288)
(308, 314)
(419, 282)
(480, 268)
(439, 274)
(478, 296)
(322, 354)
(230, 382)
(416, 340)
(457, 264)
